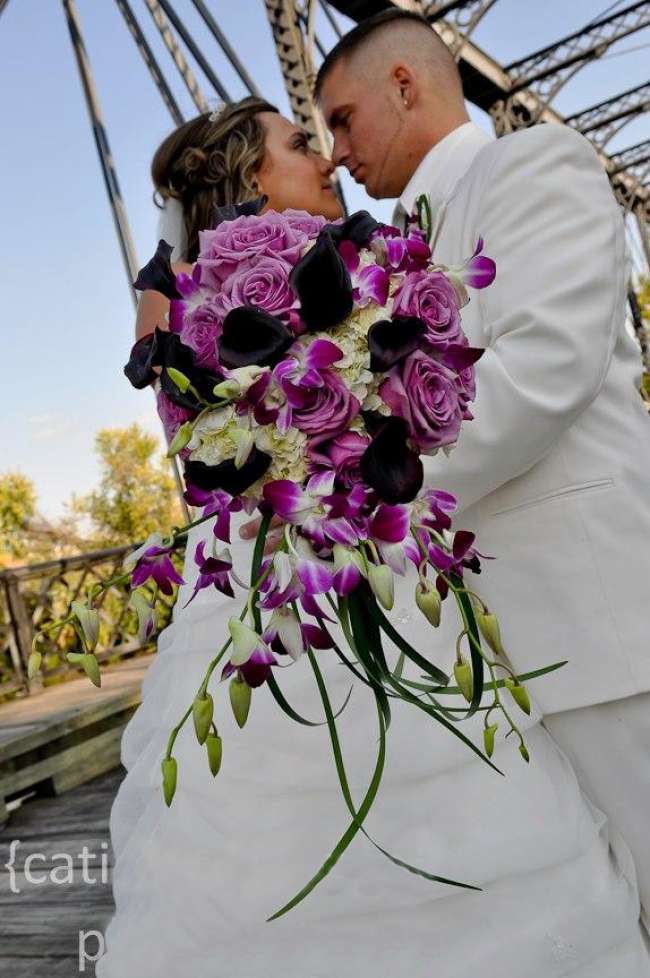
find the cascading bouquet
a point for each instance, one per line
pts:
(307, 369)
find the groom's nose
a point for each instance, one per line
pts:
(340, 152)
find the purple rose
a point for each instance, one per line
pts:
(304, 223)
(430, 296)
(264, 285)
(343, 453)
(324, 411)
(466, 387)
(423, 392)
(172, 415)
(243, 241)
(200, 330)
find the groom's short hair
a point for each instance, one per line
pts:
(355, 39)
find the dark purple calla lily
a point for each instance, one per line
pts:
(164, 349)
(157, 274)
(225, 476)
(145, 354)
(230, 212)
(357, 228)
(252, 336)
(390, 467)
(322, 283)
(459, 356)
(174, 353)
(390, 340)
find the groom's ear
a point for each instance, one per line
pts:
(404, 80)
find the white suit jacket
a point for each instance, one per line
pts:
(554, 472)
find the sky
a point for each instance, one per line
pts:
(67, 320)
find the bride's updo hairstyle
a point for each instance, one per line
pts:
(211, 161)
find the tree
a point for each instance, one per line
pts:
(643, 296)
(136, 494)
(17, 510)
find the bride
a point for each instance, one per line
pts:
(194, 883)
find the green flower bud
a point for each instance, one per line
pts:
(181, 439)
(428, 601)
(380, 578)
(34, 664)
(488, 738)
(489, 626)
(524, 753)
(240, 699)
(215, 752)
(74, 658)
(245, 442)
(244, 641)
(88, 618)
(464, 678)
(519, 694)
(227, 389)
(178, 378)
(169, 775)
(90, 666)
(202, 710)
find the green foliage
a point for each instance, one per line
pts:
(17, 509)
(136, 494)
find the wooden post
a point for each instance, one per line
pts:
(22, 633)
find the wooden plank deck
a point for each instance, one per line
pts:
(41, 922)
(59, 771)
(67, 734)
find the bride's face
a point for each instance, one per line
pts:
(292, 175)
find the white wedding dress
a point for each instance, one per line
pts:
(195, 883)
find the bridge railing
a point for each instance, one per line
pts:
(35, 595)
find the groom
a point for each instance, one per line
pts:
(554, 472)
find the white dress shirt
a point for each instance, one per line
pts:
(440, 170)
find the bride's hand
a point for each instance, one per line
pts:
(249, 530)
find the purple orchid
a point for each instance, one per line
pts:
(433, 509)
(401, 253)
(214, 501)
(152, 560)
(349, 569)
(296, 574)
(389, 528)
(213, 571)
(461, 555)
(286, 635)
(256, 670)
(312, 508)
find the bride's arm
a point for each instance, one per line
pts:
(153, 307)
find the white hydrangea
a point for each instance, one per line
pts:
(288, 452)
(351, 336)
(212, 440)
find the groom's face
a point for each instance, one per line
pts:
(365, 123)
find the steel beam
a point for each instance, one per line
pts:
(225, 46)
(120, 219)
(631, 158)
(150, 61)
(195, 50)
(170, 42)
(547, 70)
(602, 121)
